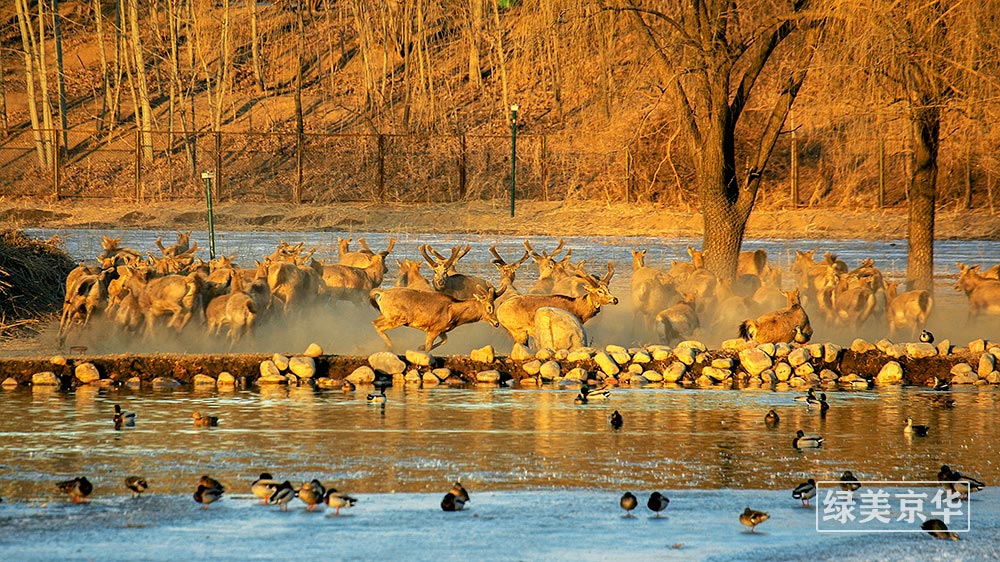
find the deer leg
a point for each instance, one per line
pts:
(430, 340)
(381, 326)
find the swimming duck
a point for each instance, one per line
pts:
(918, 430)
(937, 529)
(809, 398)
(283, 494)
(628, 503)
(581, 398)
(312, 494)
(657, 502)
(377, 397)
(803, 441)
(771, 418)
(805, 491)
(751, 518)
(78, 489)
(602, 393)
(123, 418)
(204, 421)
(926, 337)
(615, 419)
(848, 482)
(206, 495)
(824, 406)
(264, 487)
(337, 500)
(941, 385)
(137, 484)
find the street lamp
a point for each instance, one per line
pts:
(513, 155)
(208, 177)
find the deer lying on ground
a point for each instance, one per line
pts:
(360, 258)
(446, 279)
(433, 313)
(508, 273)
(983, 292)
(787, 325)
(652, 291)
(517, 315)
(907, 310)
(410, 277)
(236, 310)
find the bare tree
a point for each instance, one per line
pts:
(28, 44)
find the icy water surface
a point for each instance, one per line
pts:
(544, 474)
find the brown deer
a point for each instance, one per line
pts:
(115, 255)
(983, 292)
(292, 285)
(360, 258)
(517, 315)
(508, 273)
(183, 245)
(652, 291)
(753, 262)
(678, 322)
(236, 310)
(410, 277)
(909, 309)
(86, 294)
(550, 271)
(353, 283)
(812, 276)
(787, 325)
(178, 296)
(446, 279)
(433, 313)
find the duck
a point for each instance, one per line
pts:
(771, 418)
(941, 385)
(377, 397)
(805, 491)
(283, 494)
(657, 502)
(615, 419)
(459, 491)
(751, 518)
(137, 484)
(121, 418)
(338, 500)
(848, 482)
(962, 484)
(78, 489)
(312, 493)
(264, 487)
(926, 336)
(209, 482)
(602, 393)
(206, 494)
(204, 421)
(581, 398)
(937, 529)
(918, 430)
(451, 502)
(809, 398)
(803, 441)
(824, 406)
(628, 503)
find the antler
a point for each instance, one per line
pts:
(364, 247)
(611, 271)
(423, 251)
(392, 244)
(499, 259)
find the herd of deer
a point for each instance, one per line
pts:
(166, 292)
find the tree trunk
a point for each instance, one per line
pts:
(60, 75)
(145, 118)
(922, 195)
(258, 71)
(4, 127)
(48, 126)
(105, 74)
(29, 77)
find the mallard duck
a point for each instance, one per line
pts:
(628, 503)
(459, 491)
(615, 419)
(337, 500)
(283, 494)
(78, 489)
(771, 418)
(206, 495)
(751, 518)
(959, 483)
(377, 397)
(848, 482)
(937, 529)
(918, 430)
(264, 487)
(602, 393)
(451, 502)
(803, 441)
(941, 385)
(809, 398)
(209, 482)
(824, 406)
(137, 484)
(805, 491)
(926, 336)
(657, 502)
(204, 421)
(312, 494)
(581, 398)
(123, 418)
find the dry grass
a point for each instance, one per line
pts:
(32, 275)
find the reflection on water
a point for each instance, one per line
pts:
(494, 439)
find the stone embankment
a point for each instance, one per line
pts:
(737, 364)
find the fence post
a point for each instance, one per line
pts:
(462, 169)
(545, 168)
(794, 163)
(299, 142)
(55, 167)
(138, 165)
(968, 174)
(881, 172)
(218, 165)
(381, 168)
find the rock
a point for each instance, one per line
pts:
(9, 382)
(303, 367)
(490, 376)
(695, 345)
(327, 382)
(165, 382)
(58, 360)
(827, 375)
(576, 374)
(641, 357)
(532, 367)
(884, 345)
(891, 373)
(961, 369)
(861, 346)
(704, 380)
(815, 350)
(550, 370)
(606, 363)
(557, 328)
(831, 352)
(419, 358)
(767, 376)
(387, 362)
(755, 361)
(430, 378)
(273, 379)
(798, 356)
(578, 355)
(520, 352)
(804, 370)
(45, 378)
(621, 357)
(412, 375)
(994, 351)
(782, 349)
(529, 381)
(362, 375)
(798, 382)
(544, 354)
(723, 363)
(768, 349)
(977, 346)
(441, 373)
(269, 369)
(225, 379)
(87, 373)
(674, 372)
(134, 382)
(313, 350)
(992, 378)
(652, 376)
(634, 369)
(783, 371)
(736, 344)
(987, 364)
(280, 361)
(685, 355)
(920, 350)
(203, 380)
(483, 354)
(896, 350)
(561, 355)
(716, 374)
(969, 378)
(660, 353)
(852, 379)
(612, 348)
(944, 347)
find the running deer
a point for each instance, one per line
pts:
(353, 283)
(183, 245)
(517, 315)
(115, 255)
(652, 291)
(446, 279)
(178, 296)
(780, 326)
(433, 313)
(410, 276)
(86, 293)
(983, 292)
(236, 310)
(907, 310)
(550, 271)
(360, 258)
(508, 272)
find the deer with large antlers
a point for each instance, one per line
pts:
(508, 272)
(550, 271)
(517, 315)
(433, 313)
(360, 258)
(446, 279)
